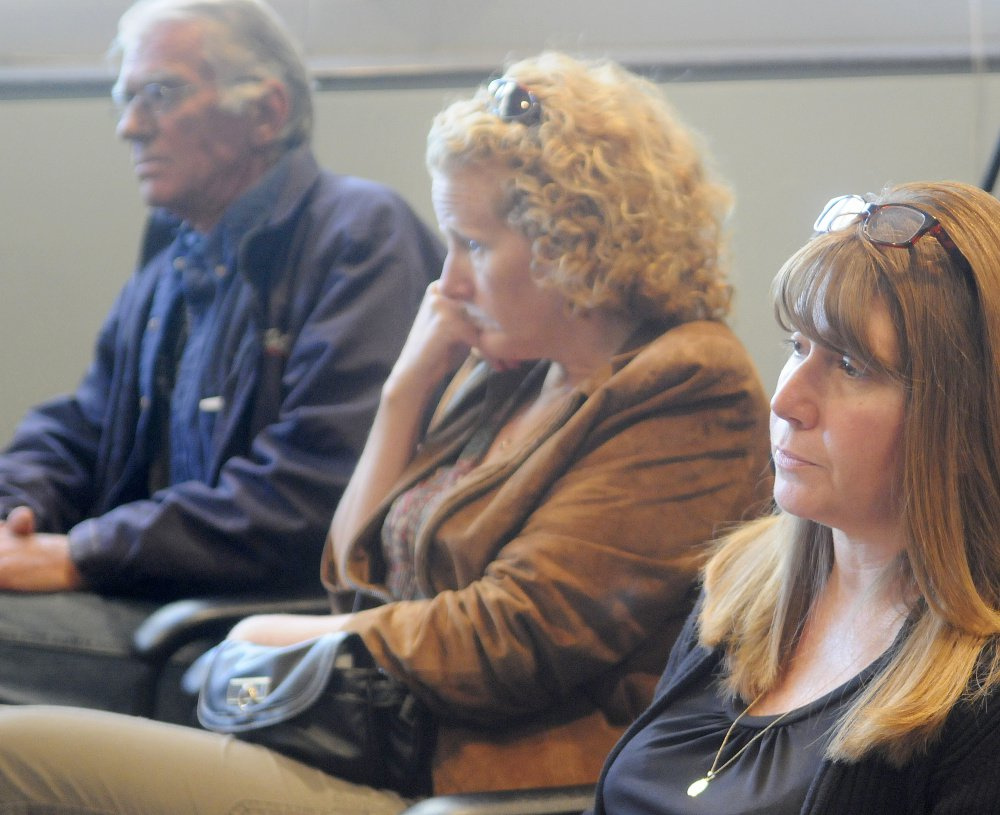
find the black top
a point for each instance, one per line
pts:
(772, 775)
(958, 773)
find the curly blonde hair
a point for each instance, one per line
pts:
(609, 186)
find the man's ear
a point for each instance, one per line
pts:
(269, 112)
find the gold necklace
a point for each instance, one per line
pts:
(699, 786)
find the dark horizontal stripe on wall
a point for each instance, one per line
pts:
(77, 83)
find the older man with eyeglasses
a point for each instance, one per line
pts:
(236, 376)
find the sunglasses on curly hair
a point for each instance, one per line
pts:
(513, 102)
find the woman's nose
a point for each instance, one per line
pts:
(455, 278)
(796, 398)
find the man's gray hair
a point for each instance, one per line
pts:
(249, 41)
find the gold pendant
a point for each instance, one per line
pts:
(698, 787)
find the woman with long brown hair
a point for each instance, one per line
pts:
(843, 654)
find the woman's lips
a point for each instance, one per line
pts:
(786, 460)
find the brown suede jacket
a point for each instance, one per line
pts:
(557, 579)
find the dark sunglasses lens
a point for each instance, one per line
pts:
(513, 102)
(895, 225)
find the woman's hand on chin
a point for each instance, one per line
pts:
(441, 336)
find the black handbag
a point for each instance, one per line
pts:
(323, 702)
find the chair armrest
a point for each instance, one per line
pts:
(176, 624)
(542, 801)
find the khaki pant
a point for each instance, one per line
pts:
(69, 760)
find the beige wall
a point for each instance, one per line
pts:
(70, 214)
(363, 35)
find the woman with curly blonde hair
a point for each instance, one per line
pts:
(524, 561)
(609, 186)
(844, 655)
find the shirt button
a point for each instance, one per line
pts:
(180, 263)
(220, 270)
(153, 324)
(144, 402)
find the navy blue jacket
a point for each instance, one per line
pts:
(331, 283)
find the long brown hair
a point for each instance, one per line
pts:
(762, 579)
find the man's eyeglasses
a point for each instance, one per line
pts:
(154, 97)
(513, 102)
(896, 225)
